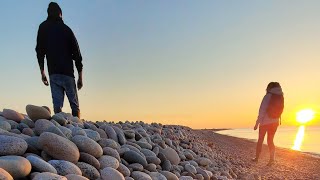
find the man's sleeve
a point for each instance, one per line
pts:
(40, 48)
(76, 54)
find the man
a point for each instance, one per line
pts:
(57, 42)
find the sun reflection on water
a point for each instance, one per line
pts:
(299, 139)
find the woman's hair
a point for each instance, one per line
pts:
(272, 85)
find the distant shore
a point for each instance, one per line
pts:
(290, 164)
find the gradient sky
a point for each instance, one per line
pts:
(203, 64)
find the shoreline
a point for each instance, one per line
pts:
(290, 164)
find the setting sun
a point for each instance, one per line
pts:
(305, 115)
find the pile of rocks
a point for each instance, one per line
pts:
(40, 146)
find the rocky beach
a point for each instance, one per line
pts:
(40, 146)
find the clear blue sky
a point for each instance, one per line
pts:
(196, 63)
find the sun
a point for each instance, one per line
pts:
(305, 116)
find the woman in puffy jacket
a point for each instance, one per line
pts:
(269, 117)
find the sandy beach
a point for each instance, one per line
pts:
(289, 164)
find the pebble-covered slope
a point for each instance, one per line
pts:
(40, 146)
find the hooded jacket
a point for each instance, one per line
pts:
(57, 43)
(263, 118)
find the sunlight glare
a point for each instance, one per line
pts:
(305, 115)
(299, 139)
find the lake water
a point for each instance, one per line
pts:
(303, 138)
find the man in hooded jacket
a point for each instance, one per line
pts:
(57, 43)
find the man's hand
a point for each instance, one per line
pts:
(255, 127)
(79, 83)
(44, 78)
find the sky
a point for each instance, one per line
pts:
(202, 64)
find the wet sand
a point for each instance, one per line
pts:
(289, 164)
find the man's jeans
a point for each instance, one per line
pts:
(61, 84)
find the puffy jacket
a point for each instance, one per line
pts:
(263, 118)
(57, 42)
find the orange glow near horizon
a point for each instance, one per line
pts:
(299, 139)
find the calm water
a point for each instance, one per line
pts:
(305, 139)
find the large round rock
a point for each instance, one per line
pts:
(88, 170)
(108, 161)
(4, 175)
(140, 175)
(171, 155)
(5, 125)
(87, 158)
(16, 166)
(42, 125)
(109, 173)
(65, 167)
(88, 145)
(39, 165)
(12, 115)
(37, 112)
(134, 157)
(59, 147)
(10, 145)
(48, 176)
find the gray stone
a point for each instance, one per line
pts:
(108, 143)
(88, 145)
(42, 125)
(102, 133)
(134, 157)
(28, 122)
(108, 161)
(136, 167)
(34, 141)
(40, 165)
(171, 155)
(16, 166)
(78, 131)
(94, 135)
(75, 177)
(151, 167)
(121, 137)
(88, 171)
(5, 125)
(4, 175)
(65, 167)
(87, 158)
(203, 161)
(190, 169)
(28, 131)
(129, 134)
(166, 165)
(140, 175)
(111, 152)
(153, 160)
(60, 119)
(111, 133)
(148, 152)
(185, 178)
(12, 115)
(13, 124)
(10, 145)
(123, 170)
(109, 173)
(67, 132)
(37, 112)
(55, 130)
(59, 147)
(48, 176)
(157, 176)
(169, 175)
(144, 145)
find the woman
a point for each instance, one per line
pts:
(268, 120)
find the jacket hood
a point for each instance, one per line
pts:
(276, 90)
